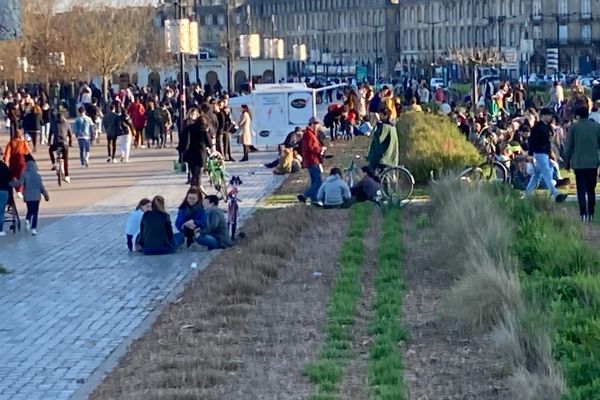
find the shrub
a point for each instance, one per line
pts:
(431, 142)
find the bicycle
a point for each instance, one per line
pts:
(232, 205)
(492, 170)
(397, 183)
(217, 174)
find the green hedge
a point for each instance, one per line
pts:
(430, 142)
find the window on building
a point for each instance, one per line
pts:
(537, 32)
(586, 10)
(586, 34)
(563, 34)
(221, 19)
(537, 8)
(562, 7)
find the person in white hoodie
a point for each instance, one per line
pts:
(334, 192)
(134, 222)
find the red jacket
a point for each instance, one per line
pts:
(310, 149)
(137, 112)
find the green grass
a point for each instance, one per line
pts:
(561, 277)
(281, 199)
(385, 367)
(326, 371)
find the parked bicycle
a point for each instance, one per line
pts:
(217, 174)
(397, 183)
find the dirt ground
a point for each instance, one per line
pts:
(246, 327)
(441, 363)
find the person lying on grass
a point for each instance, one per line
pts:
(190, 216)
(334, 192)
(215, 235)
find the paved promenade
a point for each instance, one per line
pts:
(74, 293)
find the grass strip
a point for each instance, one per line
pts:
(326, 371)
(560, 277)
(385, 366)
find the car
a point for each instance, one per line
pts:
(436, 83)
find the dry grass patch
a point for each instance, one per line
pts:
(194, 346)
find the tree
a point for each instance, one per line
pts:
(110, 38)
(475, 58)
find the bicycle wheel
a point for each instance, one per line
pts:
(60, 174)
(472, 174)
(233, 214)
(397, 185)
(494, 172)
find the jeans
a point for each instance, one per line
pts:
(209, 241)
(130, 242)
(45, 134)
(111, 146)
(314, 171)
(84, 150)
(586, 186)
(155, 251)
(541, 172)
(33, 208)
(65, 155)
(187, 237)
(3, 202)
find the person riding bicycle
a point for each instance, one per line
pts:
(384, 150)
(61, 139)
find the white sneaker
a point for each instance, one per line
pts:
(115, 161)
(2, 233)
(20, 195)
(67, 179)
(34, 232)
(27, 225)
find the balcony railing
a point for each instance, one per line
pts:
(586, 16)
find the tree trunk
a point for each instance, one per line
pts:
(105, 79)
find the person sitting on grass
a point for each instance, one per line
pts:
(368, 188)
(134, 223)
(156, 232)
(190, 216)
(334, 192)
(215, 235)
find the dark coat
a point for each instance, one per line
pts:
(152, 125)
(198, 140)
(156, 230)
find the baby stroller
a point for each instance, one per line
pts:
(11, 215)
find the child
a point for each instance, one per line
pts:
(191, 216)
(33, 188)
(134, 221)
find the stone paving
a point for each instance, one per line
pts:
(74, 293)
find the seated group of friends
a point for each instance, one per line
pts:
(334, 192)
(200, 221)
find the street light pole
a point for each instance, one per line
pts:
(433, 24)
(197, 52)
(273, 43)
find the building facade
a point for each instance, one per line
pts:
(351, 32)
(572, 27)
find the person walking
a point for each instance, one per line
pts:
(581, 154)
(228, 126)
(83, 132)
(33, 189)
(196, 149)
(312, 152)
(245, 125)
(32, 124)
(540, 147)
(109, 124)
(152, 125)
(125, 131)
(14, 157)
(137, 112)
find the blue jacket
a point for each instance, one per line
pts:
(186, 213)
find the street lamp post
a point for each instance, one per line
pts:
(433, 24)
(181, 37)
(500, 21)
(376, 66)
